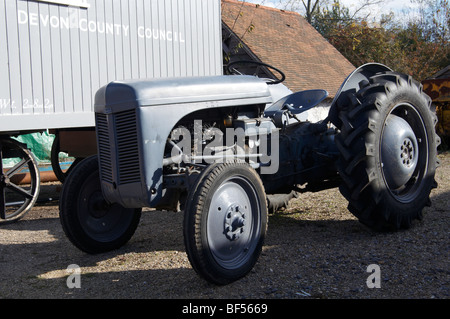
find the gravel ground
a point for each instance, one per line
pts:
(314, 249)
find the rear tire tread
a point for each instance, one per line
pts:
(356, 143)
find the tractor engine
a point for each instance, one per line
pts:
(284, 155)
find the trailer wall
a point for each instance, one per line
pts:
(54, 55)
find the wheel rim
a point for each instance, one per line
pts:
(19, 199)
(404, 152)
(101, 221)
(233, 224)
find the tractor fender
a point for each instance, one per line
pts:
(351, 85)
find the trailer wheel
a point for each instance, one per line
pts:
(388, 151)
(90, 223)
(18, 195)
(225, 222)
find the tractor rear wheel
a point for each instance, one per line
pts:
(388, 148)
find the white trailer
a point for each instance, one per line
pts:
(56, 54)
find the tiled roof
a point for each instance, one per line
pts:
(288, 42)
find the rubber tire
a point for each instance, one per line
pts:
(359, 142)
(84, 182)
(196, 216)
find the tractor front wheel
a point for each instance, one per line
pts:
(225, 222)
(89, 221)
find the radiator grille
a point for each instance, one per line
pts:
(127, 147)
(104, 148)
(124, 137)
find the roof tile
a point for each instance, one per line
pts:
(287, 41)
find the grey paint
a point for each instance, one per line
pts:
(155, 107)
(53, 58)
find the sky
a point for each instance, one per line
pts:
(397, 6)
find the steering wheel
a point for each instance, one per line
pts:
(231, 70)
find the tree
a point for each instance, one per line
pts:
(415, 43)
(434, 19)
(419, 46)
(328, 20)
(424, 38)
(310, 8)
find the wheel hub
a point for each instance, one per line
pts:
(98, 208)
(399, 151)
(234, 222)
(407, 152)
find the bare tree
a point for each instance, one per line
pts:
(362, 11)
(310, 7)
